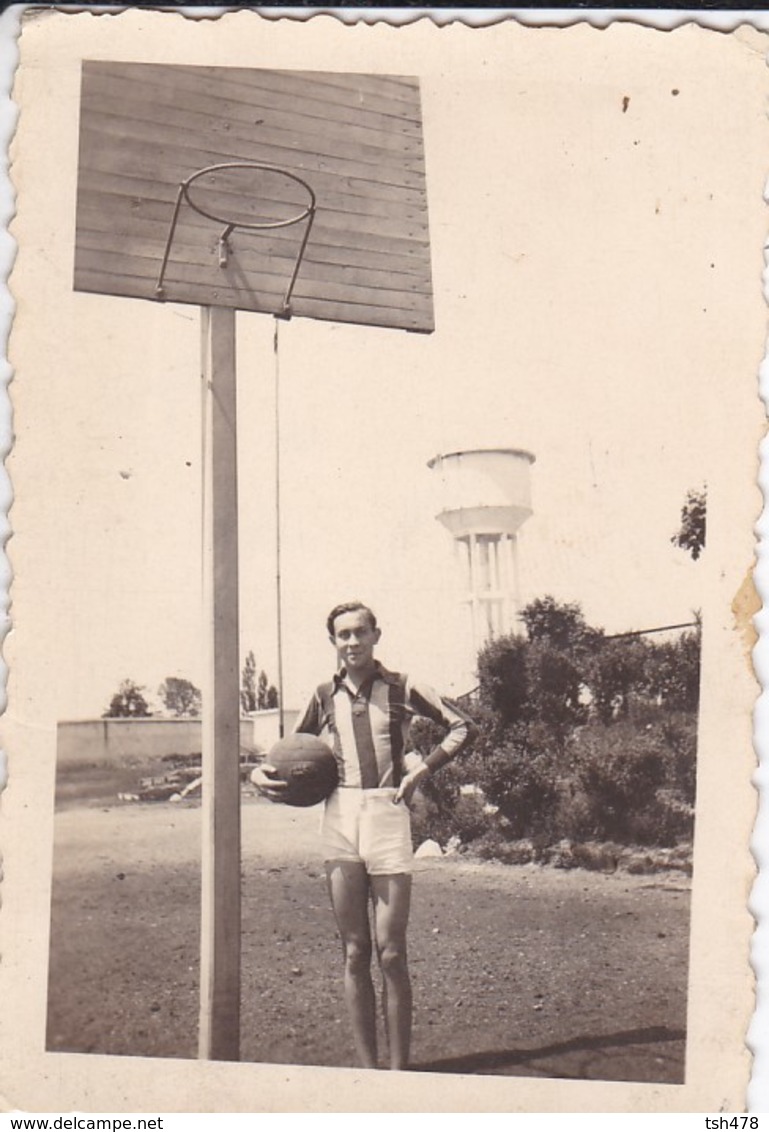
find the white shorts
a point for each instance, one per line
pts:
(367, 826)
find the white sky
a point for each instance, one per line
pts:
(585, 264)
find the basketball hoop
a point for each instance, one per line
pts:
(307, 213)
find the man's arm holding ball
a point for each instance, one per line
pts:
(265, 779)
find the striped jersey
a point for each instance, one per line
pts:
(367, 728)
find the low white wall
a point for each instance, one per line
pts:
(266, 726)
(139, 740)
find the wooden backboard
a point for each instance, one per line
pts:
(355, 139)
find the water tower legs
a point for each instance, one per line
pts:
(486, 499)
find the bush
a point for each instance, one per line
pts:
(680, 734)
(596, 856)
(627, 786)
(525, 682)
(555, 684)
(504, 681)
(617, 673)
(463, 818)
(520, 779)
(674, 672)
(557, 772)
(494, 846)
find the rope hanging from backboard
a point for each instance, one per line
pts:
(278, 599)
(205, 385)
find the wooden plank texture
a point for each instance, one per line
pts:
(357, 139)
(263, 268)
(379, 133)
(151, 222)
(325, 309)
(249, 193)
(270, 282)
(376, 94)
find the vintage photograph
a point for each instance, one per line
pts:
(384, 483)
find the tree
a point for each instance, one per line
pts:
(556, 680)
(618, 671)
(180, 696)
(691, 534)
(674, 672)
(128, 702)
(256, 693)
(504, 685)
(536, 684)
(261, 691)
(248, 701)
(266, 693)
(561, 625)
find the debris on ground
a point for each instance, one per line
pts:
(183, 780)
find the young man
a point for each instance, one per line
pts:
(364, 714)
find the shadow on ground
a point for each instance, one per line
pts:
(507, 1060)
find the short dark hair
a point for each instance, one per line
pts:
(349, 607)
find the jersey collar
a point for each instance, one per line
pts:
(381, 673)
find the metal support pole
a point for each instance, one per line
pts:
(219, 1034)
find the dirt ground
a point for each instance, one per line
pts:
(517, 970)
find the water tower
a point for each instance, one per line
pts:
(486, 500)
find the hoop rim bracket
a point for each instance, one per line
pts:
(223, 246)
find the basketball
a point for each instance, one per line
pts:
(308, 765)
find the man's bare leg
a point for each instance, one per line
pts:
(348, 886)
(392, 903)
